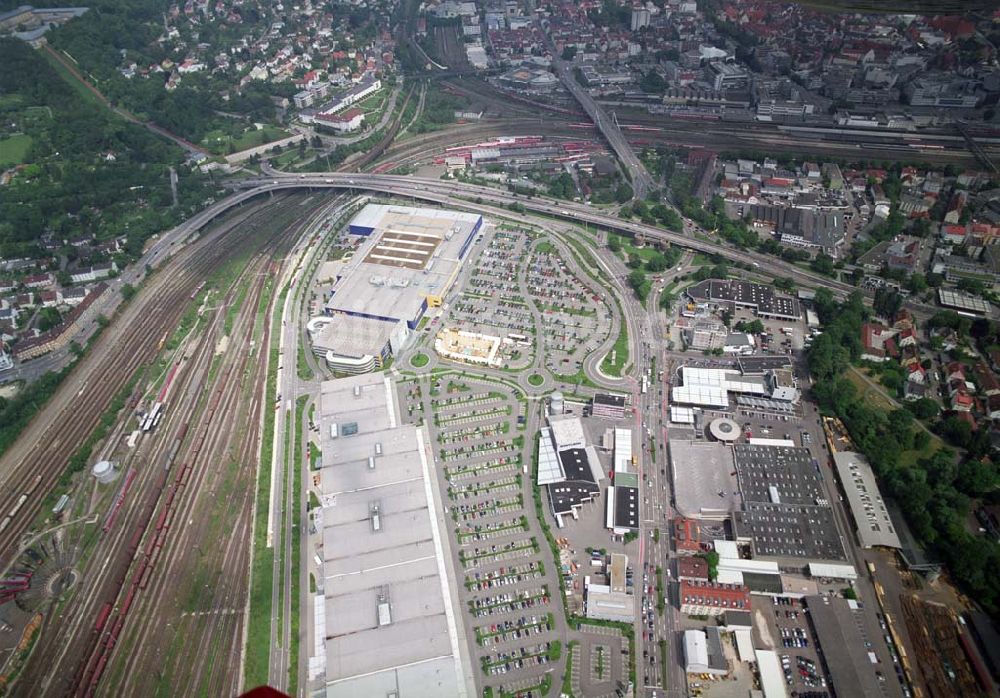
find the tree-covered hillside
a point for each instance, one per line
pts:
(80, 168)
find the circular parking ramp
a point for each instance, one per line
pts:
(724, 429)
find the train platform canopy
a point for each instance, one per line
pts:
(871, 518)
(389, 622)
(963, 302)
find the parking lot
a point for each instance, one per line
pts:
(574, 319)
(476, 428)
(493, 300)
(795, 643)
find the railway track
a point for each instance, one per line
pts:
(76, 634)
(37, 460)
(185, 548)
(384, 142)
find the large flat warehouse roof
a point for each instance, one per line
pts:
(390, 623)
(704, 486)
(409, 254)
(838, 631)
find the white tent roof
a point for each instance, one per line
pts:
(772, 679)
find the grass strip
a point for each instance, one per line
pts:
(255, 671)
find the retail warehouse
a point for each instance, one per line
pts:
(385, 621)
(567, 466)
(735, 294)
(409, 261)
(710, 387)
(771, 493)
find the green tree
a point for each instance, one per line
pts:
(637, 280)
(823, 264)
(924, 408)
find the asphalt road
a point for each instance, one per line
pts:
(489, 201)
(642, 182)
(282, 524)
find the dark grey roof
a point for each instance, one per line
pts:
(738, 619)
(843, 645)
(743, 293)
(564, 496)
(763, 582)
(626, 507)
(758, 365)
(609, 399)
(576, 465)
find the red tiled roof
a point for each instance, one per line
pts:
(694, 567)
(717, 595)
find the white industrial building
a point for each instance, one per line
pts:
(710, 387)
(703, 653)
(611, 601)
(386, 623)
(623, 450)
(408, 261)
(772, 678)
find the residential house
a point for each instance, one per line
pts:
(962, 402)
(914, 391)
(993, 407)
(39, 280)
(72, 296)
(878, 342)
(986, 379)
(954, 370)
(49, 298)
(94, 273)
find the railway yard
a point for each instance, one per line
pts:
(190, 340)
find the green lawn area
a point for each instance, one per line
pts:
(619, 351)
(545, 247)
(222, 143)
(700, 260)
(578, 378)
(64, 73)
(867, 393)
(288, 157)
(373, 102)
(879, 399)
(535, 379)
(419, 360)
(644, 253)
(14, 150)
